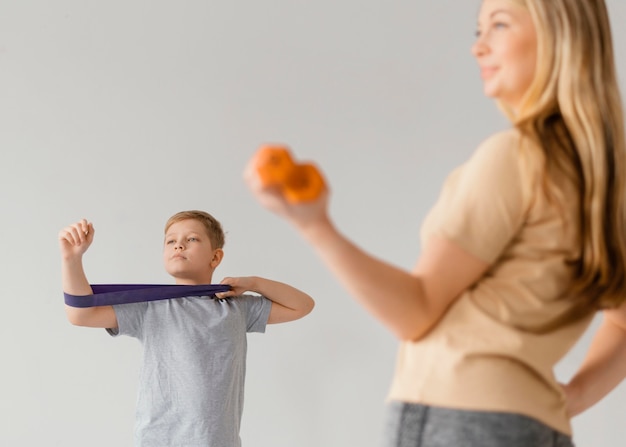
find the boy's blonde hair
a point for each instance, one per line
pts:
(211, 224)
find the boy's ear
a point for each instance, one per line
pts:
(218, 255)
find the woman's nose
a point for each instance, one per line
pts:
(479, 48)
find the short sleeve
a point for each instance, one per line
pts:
(129, 319)
(483, 204)
(257, 311)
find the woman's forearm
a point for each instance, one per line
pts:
(392, 295)
(604, 366)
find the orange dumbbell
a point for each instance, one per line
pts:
(300, 182)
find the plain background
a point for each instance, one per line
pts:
(125, 112)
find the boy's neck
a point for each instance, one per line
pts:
(193, 281)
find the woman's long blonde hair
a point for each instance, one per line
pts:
(573, 111)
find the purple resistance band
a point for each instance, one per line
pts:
(110, 294)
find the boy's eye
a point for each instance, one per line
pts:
(192, 239)
(169, 242)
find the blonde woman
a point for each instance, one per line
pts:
(525, 244)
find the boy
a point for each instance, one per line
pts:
(194, 348)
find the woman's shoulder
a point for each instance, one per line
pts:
(508, 140)
(500, 151)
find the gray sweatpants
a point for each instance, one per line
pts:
(413, 425)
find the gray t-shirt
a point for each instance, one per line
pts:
(191, 384)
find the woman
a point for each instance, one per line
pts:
(525, 244)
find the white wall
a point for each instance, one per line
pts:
(125, 112)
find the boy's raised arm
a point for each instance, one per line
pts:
(288, 303)
(74, 240)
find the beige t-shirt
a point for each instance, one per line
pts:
(485, 353)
